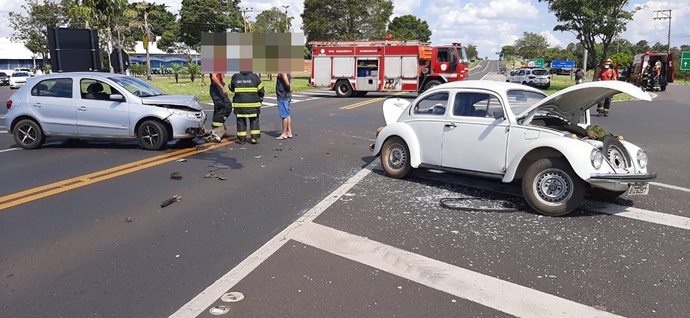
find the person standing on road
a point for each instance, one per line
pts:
(607, 74)
(222, 106)
(284, 94)
(249, 93)
(579, 76)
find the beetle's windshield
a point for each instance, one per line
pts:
(520, 100)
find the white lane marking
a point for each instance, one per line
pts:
(8, 150)
(492, 292)
(198, 304)
(671, 220)
(669, 186)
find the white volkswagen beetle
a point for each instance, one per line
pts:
(512, 132)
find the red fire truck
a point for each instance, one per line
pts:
(353, 68)
(640, 62)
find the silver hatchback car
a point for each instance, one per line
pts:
(106, 106)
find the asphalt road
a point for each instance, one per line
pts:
(310, 227)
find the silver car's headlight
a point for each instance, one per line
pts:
(642, 158)
(183, 113)
(597, 158)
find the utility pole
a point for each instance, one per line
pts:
(663, 15)
(244, 16)
(287, 28)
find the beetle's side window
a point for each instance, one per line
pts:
(434, 104)
(476, 105)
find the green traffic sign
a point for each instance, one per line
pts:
(685, 61)
(498, 53)
(535, 63)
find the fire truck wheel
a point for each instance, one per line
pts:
(431, 84)
(343, 89)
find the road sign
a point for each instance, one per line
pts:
(685, 61)
(535, 63)
(562, 64)
(498, 53)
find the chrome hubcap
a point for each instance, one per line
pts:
(27, 134)
(151, 135)
(553, 186)
(397, 157)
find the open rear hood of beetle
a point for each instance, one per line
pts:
(393, 108)
(190, 101)
(571, 102)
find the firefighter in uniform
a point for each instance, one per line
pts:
(607, 74)
(249, 93)
(222, 106)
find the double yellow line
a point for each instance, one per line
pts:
(367, 102)
(91, 178)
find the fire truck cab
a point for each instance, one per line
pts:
(639, 65)
(354, 68)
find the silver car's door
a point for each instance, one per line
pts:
(53, 104)
(472, 138)
(97, 114)
(426, 119)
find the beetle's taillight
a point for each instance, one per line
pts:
(9, 104)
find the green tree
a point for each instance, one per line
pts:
(141, 14)
(273, 20)
(177, 70)
(472, 52)
(409, 27)
(329, 20)
(641, 47)
(591, 20)
(531, 45)
(31, 29)
(202, 16)
(193, 70)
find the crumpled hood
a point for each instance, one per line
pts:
(571, 102)
(190, 101)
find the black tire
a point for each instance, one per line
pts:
(430, 84)
(663, 88)
(604, 194)
(552, 188)
(395, 158)
(152, 135)
(616, 153)
(343, 89)
(28, 134)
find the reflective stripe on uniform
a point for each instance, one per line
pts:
(255, 132)
(247, 105)
(246, 89)
(241, 134)
(215, 124)
(246, 115)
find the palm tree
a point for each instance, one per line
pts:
(193, 69)
(177, 69)
(142, 11)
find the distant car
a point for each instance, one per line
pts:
(4, 79)
(101, 106)
(24, 70)
(513, 132)
(502, 70)
(17, 79)
(535, 77)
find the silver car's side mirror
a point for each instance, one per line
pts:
(117, 97)
(499, 114)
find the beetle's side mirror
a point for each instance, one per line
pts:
(499, 114)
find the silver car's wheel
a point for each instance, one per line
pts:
(152, 135)
(28, 134)
(395, 157)
(551, 187)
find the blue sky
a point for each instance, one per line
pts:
(487, 24)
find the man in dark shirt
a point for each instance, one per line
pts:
(222, 106)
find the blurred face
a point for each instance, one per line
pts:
(606, 66)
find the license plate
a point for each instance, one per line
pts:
(639, 189)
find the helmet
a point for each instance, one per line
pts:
(608, 62)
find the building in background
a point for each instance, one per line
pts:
(16, 55)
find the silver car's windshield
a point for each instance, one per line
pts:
(520, 100)
(137, 86)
